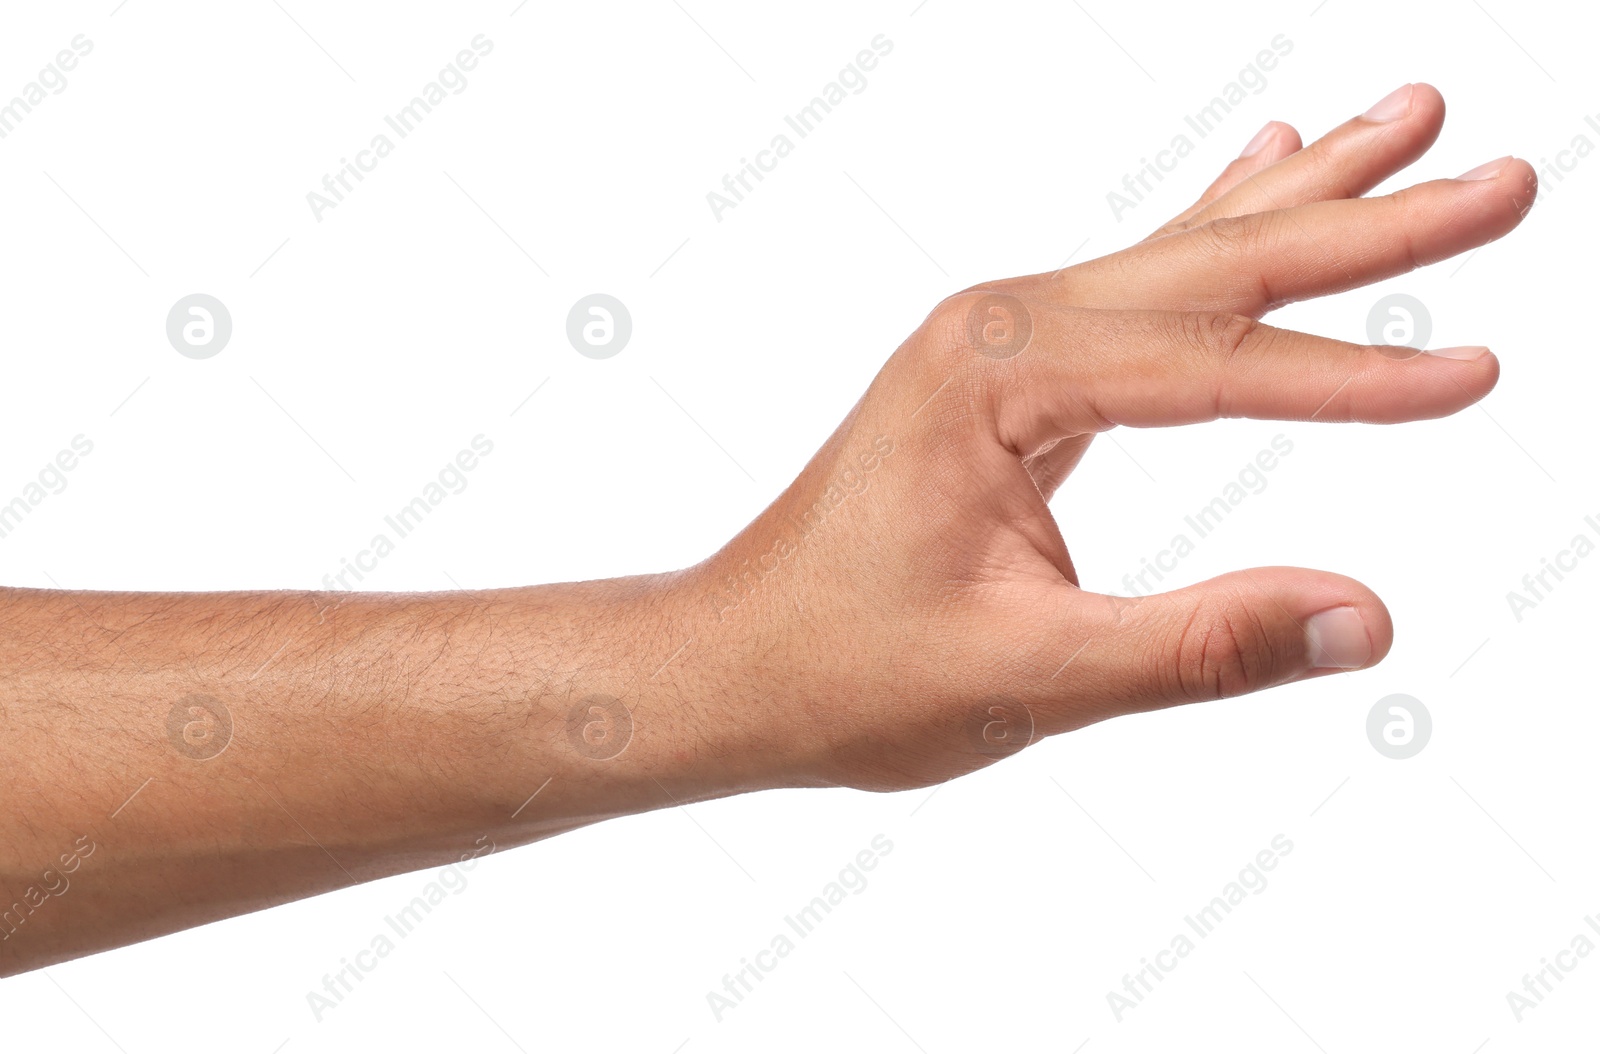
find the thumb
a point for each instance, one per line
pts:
(1236, 634)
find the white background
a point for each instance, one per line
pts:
(370, 346)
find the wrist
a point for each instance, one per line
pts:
(638, 699)
(713, 712)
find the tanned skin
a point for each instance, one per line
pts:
(904, 613)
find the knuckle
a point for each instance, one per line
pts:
(1227, 335)
(1404, 207)
(1401, 202)
(939, 344)
(1222, 651)
(1221, 340)
(1326, 167)
(987, 321)
(946, 324)
(1232, 236)
(934, 373)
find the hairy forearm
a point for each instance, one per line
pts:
(220, 753)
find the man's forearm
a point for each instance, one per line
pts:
(220, 753)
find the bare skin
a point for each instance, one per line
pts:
(904, 613)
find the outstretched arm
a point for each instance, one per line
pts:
(905, 612)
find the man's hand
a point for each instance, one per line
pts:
(909, 601)
(905, 612)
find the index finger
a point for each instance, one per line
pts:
(1252, 264)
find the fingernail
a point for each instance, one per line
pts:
(1259, 143)
(1336, 639)
(1465, 353)
(1391, 107)
(1487, 171)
